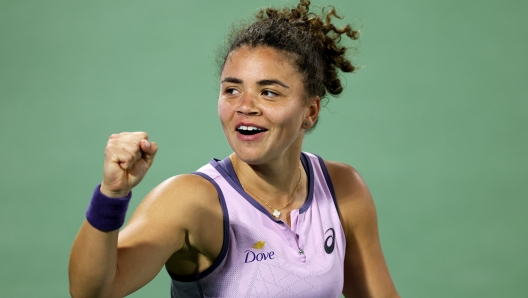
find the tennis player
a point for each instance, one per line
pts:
(269, 220)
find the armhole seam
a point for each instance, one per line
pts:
(225, 241)
(329, 183)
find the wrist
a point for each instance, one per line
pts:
(107, 213)
(112, 193)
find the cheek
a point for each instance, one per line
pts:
(290, 115)
(223, 110)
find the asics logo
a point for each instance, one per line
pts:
(329, 243)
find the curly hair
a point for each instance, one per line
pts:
(311, 40)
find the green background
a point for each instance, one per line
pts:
(436, 122)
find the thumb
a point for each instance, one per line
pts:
(149, 151)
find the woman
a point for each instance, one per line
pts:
(268, 220)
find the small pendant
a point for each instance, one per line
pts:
(276, 213)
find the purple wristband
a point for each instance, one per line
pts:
(105, 213)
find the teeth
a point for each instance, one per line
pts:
(250, 128)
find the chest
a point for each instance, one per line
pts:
(266, 256)
(314, 235)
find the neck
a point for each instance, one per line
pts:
(275, 182)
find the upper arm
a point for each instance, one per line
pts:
(366, 272)
(159, 228)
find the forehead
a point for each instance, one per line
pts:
(260, 62)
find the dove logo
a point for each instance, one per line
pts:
(259, 245)
(258, 256)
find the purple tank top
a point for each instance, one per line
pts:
(264, 257)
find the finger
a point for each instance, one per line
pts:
(124, 159)
(126, 141)
(131, 139)
(125, 148)
(116, 154)
(149, 151)
(138, 136)
(133, 148)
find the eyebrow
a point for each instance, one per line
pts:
(272, 82)
(231, 80)
(261, 82)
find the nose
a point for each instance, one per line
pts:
(248, 105)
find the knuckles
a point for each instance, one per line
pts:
(127, 137)
(125, 147)
(138, 135)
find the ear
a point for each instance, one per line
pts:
(312, 112)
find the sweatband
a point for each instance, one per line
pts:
(105, 213)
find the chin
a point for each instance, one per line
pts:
(253, 156)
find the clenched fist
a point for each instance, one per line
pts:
(128, 156)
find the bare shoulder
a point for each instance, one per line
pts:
(352, 194)
(181, 199)
(178, 206)
(366, 272)
(182, 191)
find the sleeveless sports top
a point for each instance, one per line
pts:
(264, 257)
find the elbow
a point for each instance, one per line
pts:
(83, 284)
(83, 293)
(78, 289)
(74, 293)
(79, 292)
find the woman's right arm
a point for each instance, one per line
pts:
(113, 263)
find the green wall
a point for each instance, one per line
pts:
(436, 122)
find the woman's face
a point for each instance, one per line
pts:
(262, 104)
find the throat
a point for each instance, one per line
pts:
(280, 203)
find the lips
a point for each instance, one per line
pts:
(249, 131)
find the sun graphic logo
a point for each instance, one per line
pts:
(259, 244)
(252, 256)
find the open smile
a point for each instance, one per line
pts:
(250, 130)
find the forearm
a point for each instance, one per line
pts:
(93, 269)
(93, 262)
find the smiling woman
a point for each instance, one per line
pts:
(261, 89)
(268, 220)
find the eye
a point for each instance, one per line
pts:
(269, 93)
(232, 91)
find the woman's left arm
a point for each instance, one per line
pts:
(366, 272)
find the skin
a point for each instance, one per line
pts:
(269, 166)
(258, 86)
